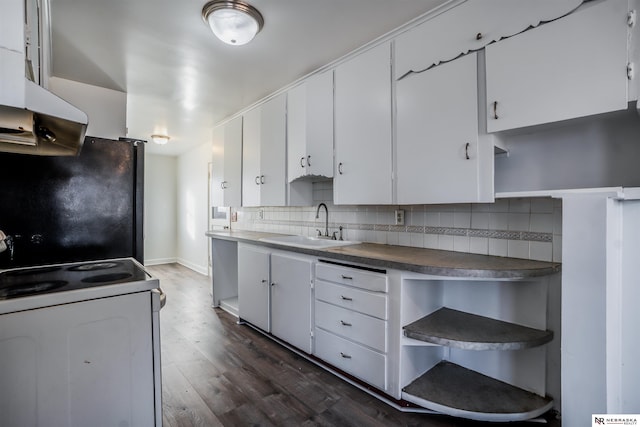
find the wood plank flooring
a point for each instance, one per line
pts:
(218, 373)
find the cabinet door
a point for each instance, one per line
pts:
(363, 129)
(253, 286)
(291, 299)
(438, 149)
(251, 158)
(297, 132)
(320, 125)
(232, 183)
(310, 127)
(273, 152)
(572, 67)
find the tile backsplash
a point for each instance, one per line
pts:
(529, 228)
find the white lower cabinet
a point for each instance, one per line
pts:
(351, 329)
(274, 293)
(253, 286)
(291, 279)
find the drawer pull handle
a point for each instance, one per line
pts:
(344, 356)
(345, 298)
(347, 277)
(343, 323)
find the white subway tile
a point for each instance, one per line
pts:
(480, 220)
(445, 242)
(498, 247)
(520, 205)
(430, 241)
(541, 251)
(479, 245)
(432, 219)
(446, 219)
(541, 222)
(462, 219)
(498, 221)
(518, 221)
(417, 240)
(518, 249)
(404, 239)
(461, 243)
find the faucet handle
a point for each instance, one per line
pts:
(319, 233)
(333, 235)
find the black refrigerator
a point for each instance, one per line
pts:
(64, 209)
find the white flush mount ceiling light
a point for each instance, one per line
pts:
(234, 22)
(160, 139)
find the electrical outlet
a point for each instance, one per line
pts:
(234, 217)
(400, 217)
(261, 213)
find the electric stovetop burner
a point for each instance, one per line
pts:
(29, 281)
(93, 266)
(30, 288)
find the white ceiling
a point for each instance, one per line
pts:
(181, 80)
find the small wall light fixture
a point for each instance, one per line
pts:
(160, 139)
(232, 21)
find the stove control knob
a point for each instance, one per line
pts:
(37, 239)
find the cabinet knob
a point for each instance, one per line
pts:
(261, 179)
(347, 277)
(257, 180)
(273, 283)
(223, 185)
(479, 36)
(466, 151)
(342, 297)
(343, 323)
(263, 281)
(495, 110)
(344, 355)
(308, 160)
(302, 162)
(340, 168)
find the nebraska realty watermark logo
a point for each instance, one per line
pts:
(615, 420)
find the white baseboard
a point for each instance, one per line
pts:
(158, 261)
(197, 268)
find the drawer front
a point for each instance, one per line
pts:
(352, 277)
(373, 304)
(363, 363)
(358, 327)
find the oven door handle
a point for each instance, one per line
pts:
(158, 298)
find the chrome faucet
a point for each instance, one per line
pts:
(326, 218)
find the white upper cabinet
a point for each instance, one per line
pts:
(572, 67)
(310, 127)
(226, 179)
(470, 26)
(264, 154)
(441, 158)
(363, 129)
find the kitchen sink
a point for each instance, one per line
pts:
(307, 242)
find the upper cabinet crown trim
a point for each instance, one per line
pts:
(471, 26)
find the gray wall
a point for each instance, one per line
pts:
(593, 152)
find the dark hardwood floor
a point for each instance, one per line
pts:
(216, 372)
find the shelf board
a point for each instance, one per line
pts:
(453, 328)
(453, 390)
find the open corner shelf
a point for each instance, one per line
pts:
(453, 328)
(453, 390)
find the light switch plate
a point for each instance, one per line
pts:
(400, 217)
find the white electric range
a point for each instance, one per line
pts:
(80, 345)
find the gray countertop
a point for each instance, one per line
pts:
(419, 260)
